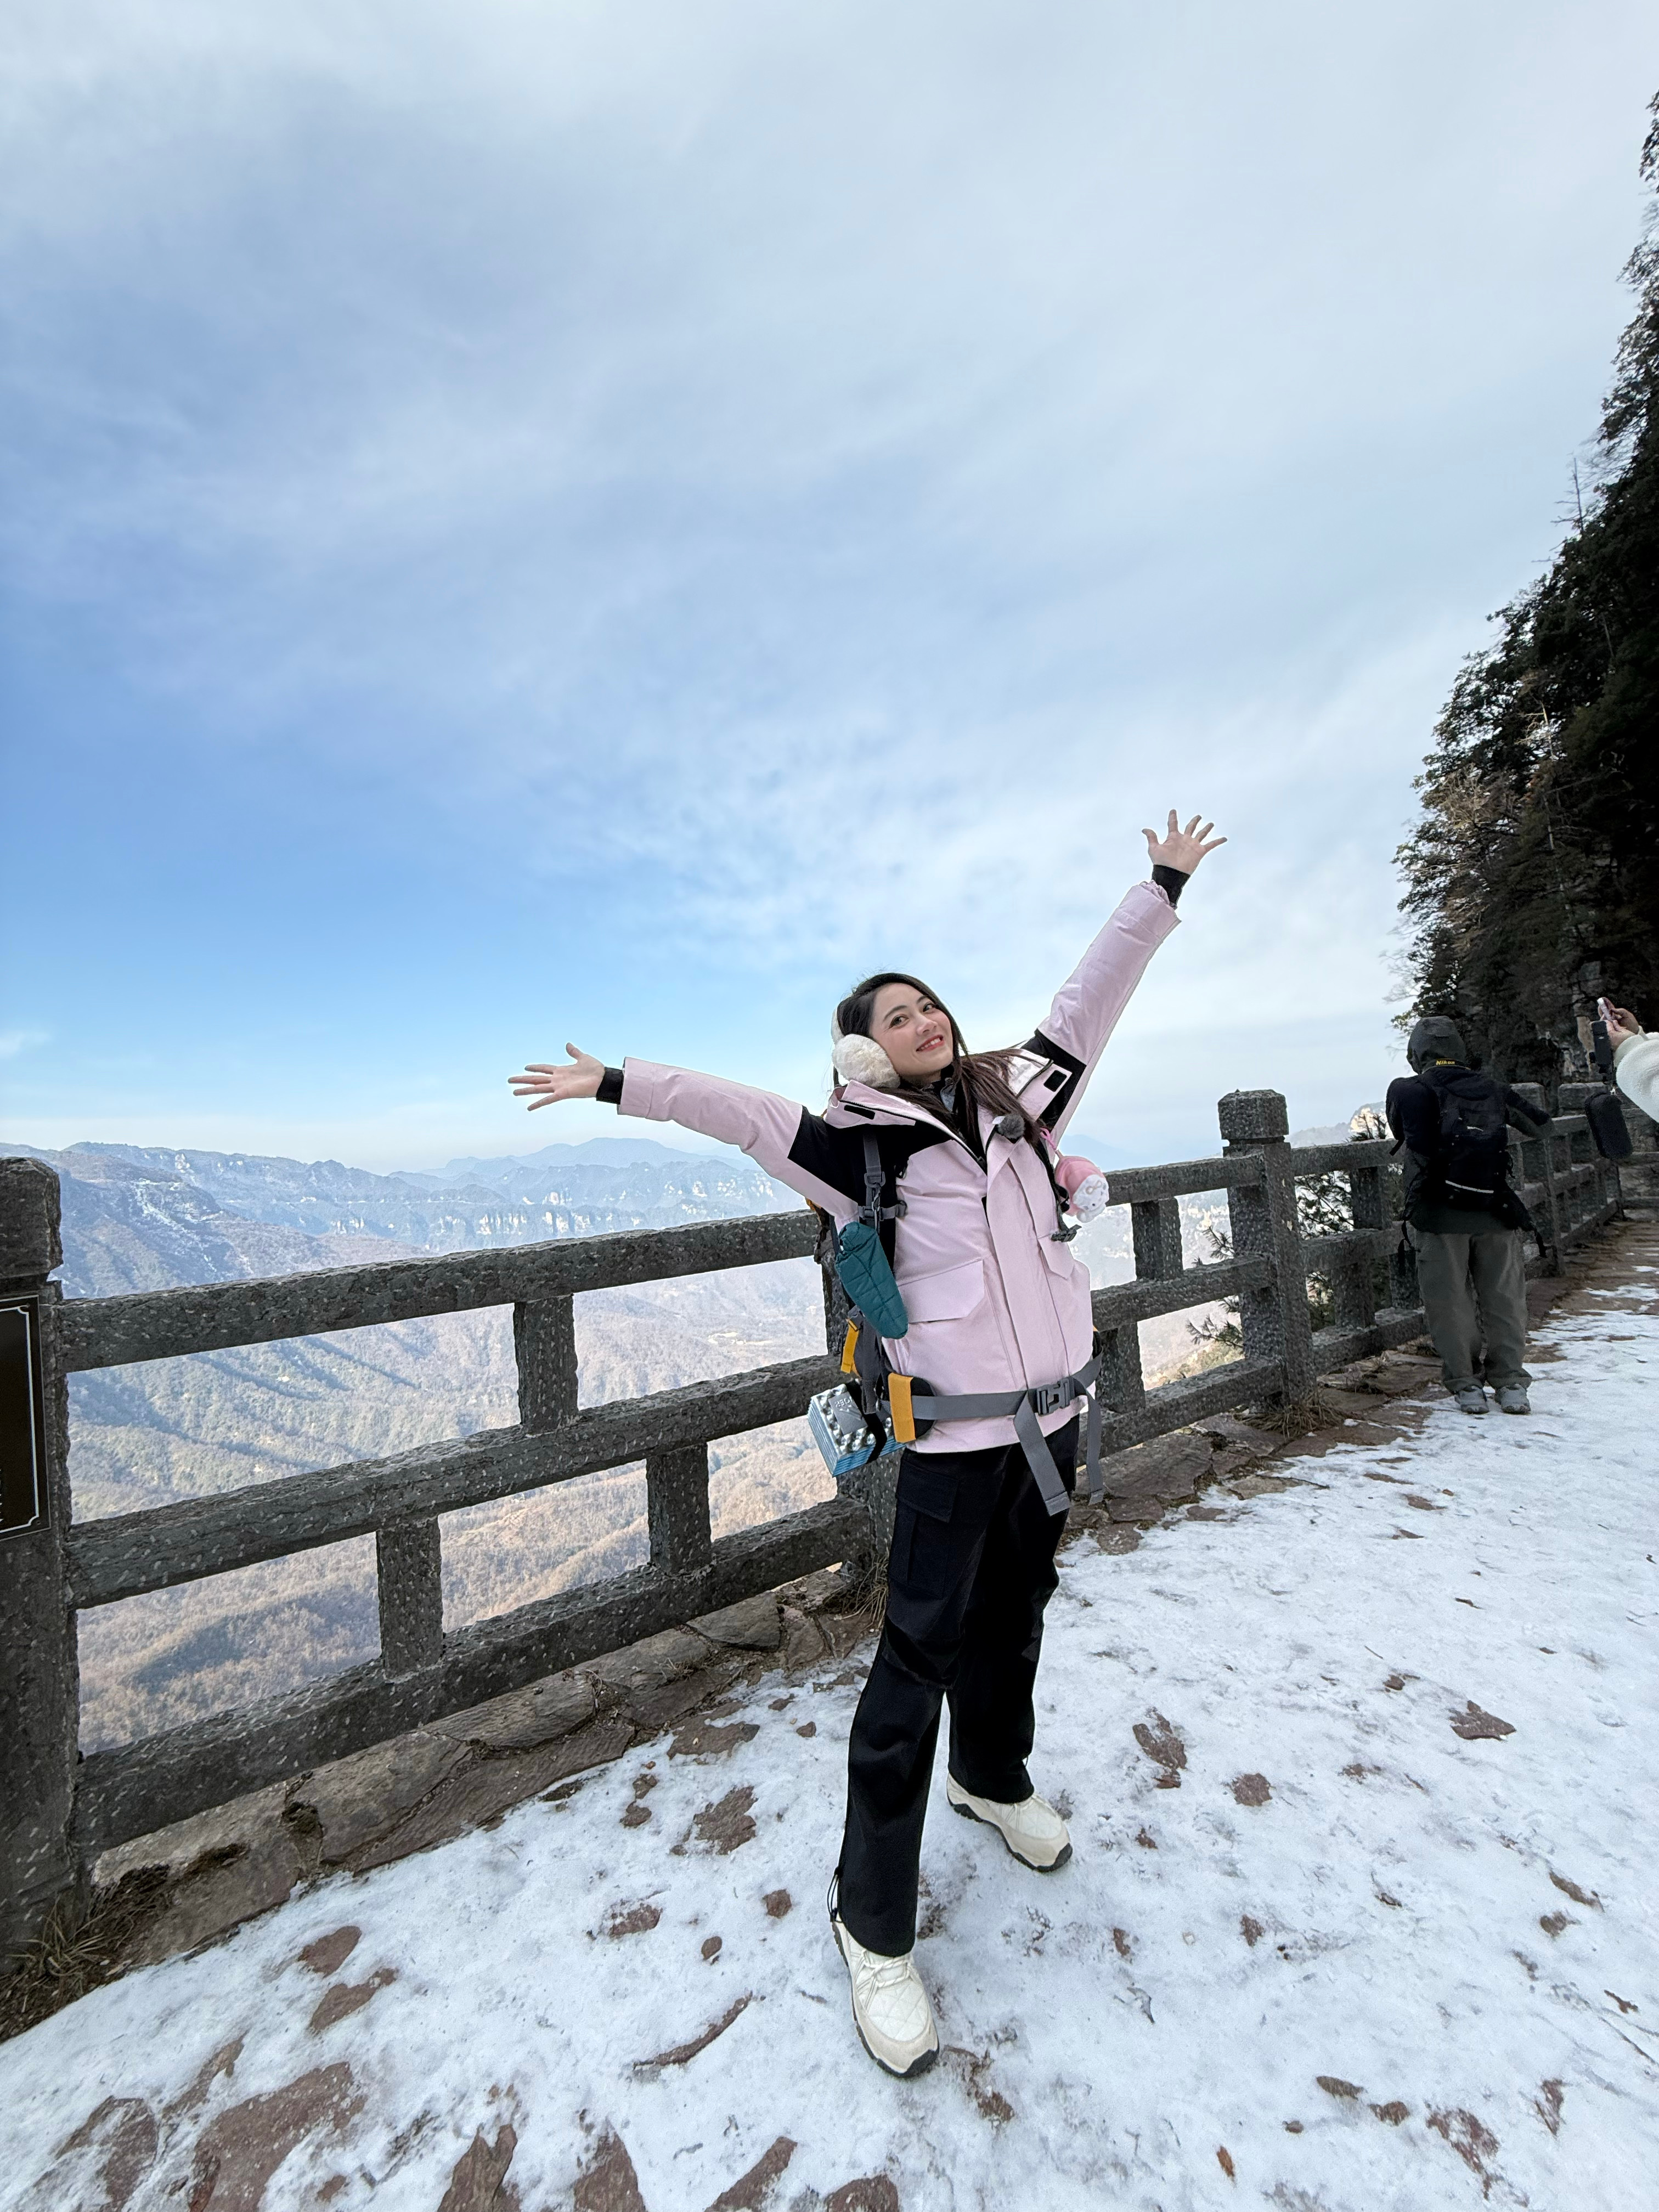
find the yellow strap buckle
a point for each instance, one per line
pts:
(849, 1349)
(898, 1402)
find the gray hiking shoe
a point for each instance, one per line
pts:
(1471, 1399)
(1512, 1399)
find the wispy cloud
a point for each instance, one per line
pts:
(14, 1042)
(749, 491)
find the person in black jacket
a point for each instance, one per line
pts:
(1463, 1219)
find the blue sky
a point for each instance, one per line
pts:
(541, 520)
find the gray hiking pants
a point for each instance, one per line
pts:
(1474, 1299)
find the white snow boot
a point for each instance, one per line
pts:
(1512, 1399)
(890, 2010)
(1471, 1399)
(1032, 1830)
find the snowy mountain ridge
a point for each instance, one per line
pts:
(187, 1204)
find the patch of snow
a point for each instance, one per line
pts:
(1375, 1962)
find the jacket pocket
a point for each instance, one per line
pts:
(1062, 1262)
(925, 1566)
(949, 1294)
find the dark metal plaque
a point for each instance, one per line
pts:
(23, 1419)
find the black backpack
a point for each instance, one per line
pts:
(1470, 1166)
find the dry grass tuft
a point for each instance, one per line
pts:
(78, 1949)
(866, 1598)
(1298, 1416)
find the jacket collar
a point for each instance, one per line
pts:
(856, 1102)
(862, 1101)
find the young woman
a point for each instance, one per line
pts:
(1000, 1327)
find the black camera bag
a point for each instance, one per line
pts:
(1604, 1110)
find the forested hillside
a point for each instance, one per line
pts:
(147, 1218)
(1533, 876)
(138, 1218)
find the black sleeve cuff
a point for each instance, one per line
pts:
(610, 1091)
(1170, 881)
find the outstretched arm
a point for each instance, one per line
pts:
(1088, 1005)
(1521, 1116)
(794, 1146)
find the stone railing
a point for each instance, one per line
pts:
(59, 1809)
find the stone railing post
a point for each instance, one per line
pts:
(409, 1554)
(1123, 1378)
(1558, 1144)
(1405, 1292)
(1275, 1321)
(544, 1341)
(677, 1507)
(409, 1567)
(1582, 1148)
(1570, 1099)
(1155, 1226)
(1353, 1288)
(39, 1680)
(1157, 1233)
(1538, 1152)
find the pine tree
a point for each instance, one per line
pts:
(1533, 880)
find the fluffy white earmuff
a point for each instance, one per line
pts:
(860, 1060)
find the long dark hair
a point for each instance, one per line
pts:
(984, 1075)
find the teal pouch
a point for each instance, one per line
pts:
(867, 1278)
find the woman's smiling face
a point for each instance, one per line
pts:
(915, 1032)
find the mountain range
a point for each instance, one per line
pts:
(139, 1217)
(149, 1218)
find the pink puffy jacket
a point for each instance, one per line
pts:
(995, 1301)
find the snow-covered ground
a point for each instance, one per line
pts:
(1422, 1972)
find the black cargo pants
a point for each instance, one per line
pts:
(971, 1570)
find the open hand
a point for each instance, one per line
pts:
(1180, 848)
(542, 1085)
(1622, 1025)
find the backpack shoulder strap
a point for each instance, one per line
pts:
(882, 1205)
(1447, 1112)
